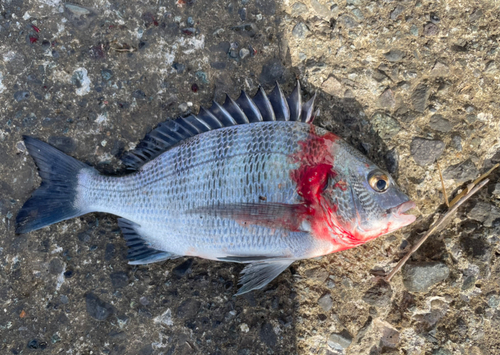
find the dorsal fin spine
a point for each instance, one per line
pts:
(224, 112)
(244, 110)
(230, 103)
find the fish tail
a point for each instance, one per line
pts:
(57, 197)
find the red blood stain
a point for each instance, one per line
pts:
(35, 28)
(315, 168)
(340, 185)
(33, 39)
(194, 87)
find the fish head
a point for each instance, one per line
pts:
(363, 201)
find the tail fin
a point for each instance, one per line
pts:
(55, 199)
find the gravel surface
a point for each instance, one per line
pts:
(406, 82)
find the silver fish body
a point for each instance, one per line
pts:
(242, 164)
(251, 181)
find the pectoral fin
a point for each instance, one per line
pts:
(258, 274)
(267, 214)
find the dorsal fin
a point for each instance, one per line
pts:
(262, 107)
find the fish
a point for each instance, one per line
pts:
(250, 181)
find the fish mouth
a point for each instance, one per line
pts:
(399, 213)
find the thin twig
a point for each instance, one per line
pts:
(442, 185)
(471, 185)
(434, 228)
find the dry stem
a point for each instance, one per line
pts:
(438, 224)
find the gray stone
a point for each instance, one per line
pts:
(183, 269)
(97, 308)
(426, 151)
(419, 97)
(440, 69)
(326, 302)
(430, 29)
(394, 55)
(476, 15)
(188, 308)
(298, 9)
(317, 274)
(385, 125)
(441, 351)
(414, 30)
(485, 213)
(491, 67)
(321, 10)
(420, 277)
(386, 100)
(398, 10)
(21, 95)
(456, 143)
(119, 279)
(272, 71)
(79, 16)
(340, 340)
(300, 30)
(358, 14)
(379, 295)
(56, 266)
(493, 301)
(244, 52)
(468, 282)
(346, 21)
(496, 190)
(391, 159)
(248, 29)
(267, 335)
(440, 124)
(461, 172)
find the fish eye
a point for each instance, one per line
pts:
(378, 181)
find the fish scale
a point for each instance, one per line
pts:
(250, 181)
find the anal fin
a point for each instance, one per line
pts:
(258, 274)
(140, 251)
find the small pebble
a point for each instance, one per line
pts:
(244, 53)
(298, 9)
(395, 14)
(440, 124)
(420, 277)
(190, 21)
(430, 29)
(340, 340)
(456, 143)
(243, 13)
(426, 151)
(21, 95)
(326, 302)
(97, 308)
(419, 97)
(179, 67)
(183, 269)
(462, 172)
(395, 55)
(386, 126)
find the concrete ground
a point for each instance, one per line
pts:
(406, 82)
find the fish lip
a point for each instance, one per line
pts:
(399, 212)
(405, 206)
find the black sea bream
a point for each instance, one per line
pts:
(250, 181)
